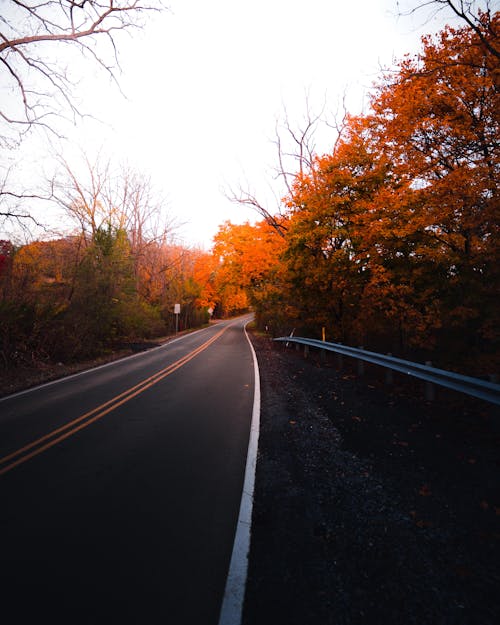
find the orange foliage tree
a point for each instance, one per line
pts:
(327, 257)
(249, 271)
(438, 123)
(393, 239)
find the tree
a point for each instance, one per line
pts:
(327, 256)
(477, 19)
(143, 214)
(30, 37)
(74, 296)
(295, 154)
(439, 124)
(41, 44)
(107, 204)
(395, 235)
(249, 267)
(6, 258)
(94, 193)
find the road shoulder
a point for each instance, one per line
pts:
(369, 507)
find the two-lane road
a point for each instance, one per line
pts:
(120, 487)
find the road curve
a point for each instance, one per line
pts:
(120, 487)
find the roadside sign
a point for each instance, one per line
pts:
(177, 310)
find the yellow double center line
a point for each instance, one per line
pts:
(65, 431)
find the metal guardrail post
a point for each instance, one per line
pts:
(430, 389)
(389, 375)
(361, 365)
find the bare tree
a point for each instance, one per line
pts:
(296, 152)
(94, 196)
(39, 42)
(141, 208)
(141, 211)
(80, 192)
(32, 37)
(12, 203)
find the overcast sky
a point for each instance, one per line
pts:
(206, 82)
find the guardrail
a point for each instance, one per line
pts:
(488, 391)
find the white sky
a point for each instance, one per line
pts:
(206, 82)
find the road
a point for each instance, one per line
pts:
(120, 487)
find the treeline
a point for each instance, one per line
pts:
(392, 240)
(73, 298)
(115, 279)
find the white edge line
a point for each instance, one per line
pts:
(234, 594)
(106, 364)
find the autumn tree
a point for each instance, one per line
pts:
(475, 14)
(180, 282)
(94, 192)
(327, 255)
(393, 238)
(38, 285)
(205, 266)
(114, 279)
(73, 298)
(6, 258)
(249, 268)
(439, 126)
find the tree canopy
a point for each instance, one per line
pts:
(392, 239)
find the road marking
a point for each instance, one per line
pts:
(103, 366)
(231, 612)
(40, 445)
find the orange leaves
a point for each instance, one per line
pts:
(204, 270)
(248, 264)
(393, 237)
(250, 249)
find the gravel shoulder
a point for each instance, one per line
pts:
(371, 505)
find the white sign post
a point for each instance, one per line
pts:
(177, 310)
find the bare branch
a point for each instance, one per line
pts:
(31, 32)
(340, 122)
(479, 21)
(12, 201)
(245, 198)
(296, 155)
(40, 88)
(93, 194)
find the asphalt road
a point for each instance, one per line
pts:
(120, 487)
